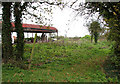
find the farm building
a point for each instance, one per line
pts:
(31, 28)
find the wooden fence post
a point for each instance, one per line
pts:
(32, 51)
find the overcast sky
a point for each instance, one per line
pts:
(64, 21)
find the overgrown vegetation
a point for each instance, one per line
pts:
(63, 62)
(75, 60)
(111, 14)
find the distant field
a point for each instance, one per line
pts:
(64, 61)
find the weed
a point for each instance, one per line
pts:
(62, 62)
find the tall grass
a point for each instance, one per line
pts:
(67, 61)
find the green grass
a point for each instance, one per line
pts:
(62, 62)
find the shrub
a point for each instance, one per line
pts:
(86, 37)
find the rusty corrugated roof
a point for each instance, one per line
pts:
(37, 28)
(34, 28)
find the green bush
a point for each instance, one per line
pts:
(86, 37)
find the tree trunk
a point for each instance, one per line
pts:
(96, 37)
(91, 38)
(19, 30)
(6, 32)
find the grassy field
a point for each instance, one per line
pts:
(64, 61)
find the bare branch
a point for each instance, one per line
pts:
(73, 3)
